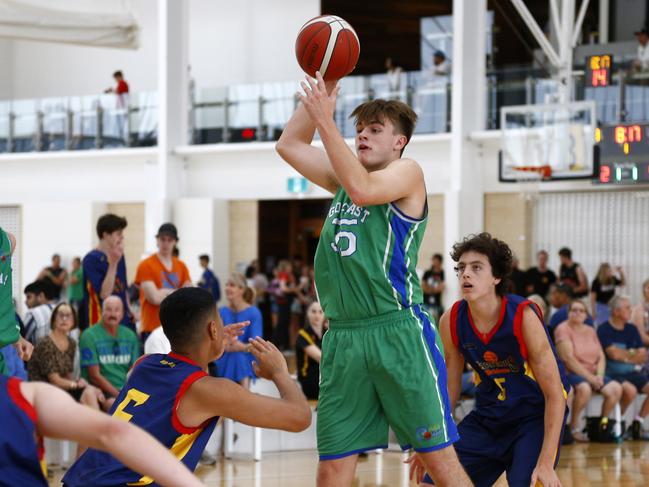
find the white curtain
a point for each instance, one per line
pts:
(599, 226)
(71, 22)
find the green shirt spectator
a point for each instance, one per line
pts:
(75, 289)
(108, 349)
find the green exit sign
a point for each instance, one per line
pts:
(297, 184)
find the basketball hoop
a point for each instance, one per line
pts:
(529, 179)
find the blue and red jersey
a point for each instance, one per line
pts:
(149, 399)
(95, 268)
(21, 449)
(506, 389)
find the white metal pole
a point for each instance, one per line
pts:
(604, 8)
(537, 32)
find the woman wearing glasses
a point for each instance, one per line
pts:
(579, 348)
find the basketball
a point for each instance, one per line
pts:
(327, 44)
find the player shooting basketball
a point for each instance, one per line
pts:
(381, 358)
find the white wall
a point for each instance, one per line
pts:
(230, 42)
(203, 228)
(66, 228)
(246, 41)
(47, 69)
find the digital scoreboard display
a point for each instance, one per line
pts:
(623, 153)
(598, 72)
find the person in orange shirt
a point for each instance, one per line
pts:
(158, 276)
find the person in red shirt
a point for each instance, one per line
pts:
(122, 86)
(121, 104)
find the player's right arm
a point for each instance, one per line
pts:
(209, 396)
(59, 416)
(453, 358)
(294, 146)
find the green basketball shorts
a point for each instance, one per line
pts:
(380, 372)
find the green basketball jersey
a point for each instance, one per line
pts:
(366, 258)
(9, 330)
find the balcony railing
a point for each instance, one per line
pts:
(259, 112)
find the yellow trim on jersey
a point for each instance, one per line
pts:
(306, 336)
(309, 340)
(180, 448)
(530, 374)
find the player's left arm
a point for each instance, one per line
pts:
(59, 416)
(545, 369)
(402, 178)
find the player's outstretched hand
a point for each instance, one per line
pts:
(269, 360)
(545, 476)
(234, 330)
(319, 98)
(417, 469)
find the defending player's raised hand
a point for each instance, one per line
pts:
(269, 360)
(319, 102)
(234, 330)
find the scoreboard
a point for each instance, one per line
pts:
(598, 70)
(623, 153)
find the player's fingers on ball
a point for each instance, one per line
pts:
(312, 83)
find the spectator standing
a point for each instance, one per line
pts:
(441, 65)
(121, 89)
(104, 272)
(53, 359)
(39, 298)
(602, 290)
(432, 285)
(108, 350)
(209, 281)
(571, 274)
(517, 279)
(308, 351)
(625, 357)
(539, 279)
(158, 276)
(284, 298)
(75, 288)
(56, 274)
(236, 362)
(641, 61)
(393, 73)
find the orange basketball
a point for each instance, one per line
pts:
(327, 44)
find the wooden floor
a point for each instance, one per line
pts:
(581, 465)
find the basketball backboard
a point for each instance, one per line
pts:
(548, 142)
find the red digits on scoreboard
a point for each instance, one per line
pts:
(604, 174)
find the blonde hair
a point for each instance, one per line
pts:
(601, 277)
(239, 280)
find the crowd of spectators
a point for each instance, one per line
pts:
(87, 343)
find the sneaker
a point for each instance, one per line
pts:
(637, 432)
(207, 459)
(580, 436)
